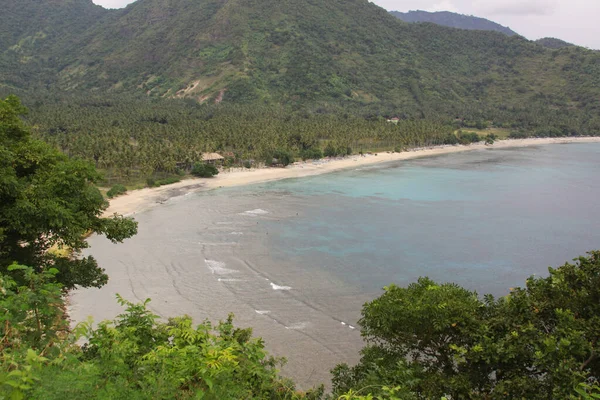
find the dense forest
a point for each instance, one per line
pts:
(553, 43)
(425, 341)
(130, 138)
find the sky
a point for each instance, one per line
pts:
(575, 21)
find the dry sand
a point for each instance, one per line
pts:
(143, 199)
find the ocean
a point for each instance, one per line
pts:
(296, 259)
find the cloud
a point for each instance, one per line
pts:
(443, 6)
(112, 3)
(516, 7)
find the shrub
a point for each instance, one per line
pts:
(468, 137)
(167, 181)
(116, 191)
(284, 157)
(451, 139)
(202, 170)
(491, 138)
(330, 151)
(311, 154)
(518, 135)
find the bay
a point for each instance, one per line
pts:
(296, 259)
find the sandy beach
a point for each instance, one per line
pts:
(140, 200)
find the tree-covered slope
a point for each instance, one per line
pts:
(304, 52)
(34, 34)
(453, 20)
(553, 43)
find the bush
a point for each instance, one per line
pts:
(116, 191)
(202, 170)
(451, 139)
(283, 157)
(468, 137)
(491, 138)
(518, 135)
(167, 181)
(330, 151)
(311, 154)
(150, 182)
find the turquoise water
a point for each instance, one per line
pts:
(484, 219)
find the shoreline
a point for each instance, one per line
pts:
(142, 199)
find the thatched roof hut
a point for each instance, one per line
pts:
(212, 158)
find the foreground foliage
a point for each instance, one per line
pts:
(133, 357)
(539, 342)
(426, 341)
(49, 200)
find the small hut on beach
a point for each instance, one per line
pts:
(212, 158)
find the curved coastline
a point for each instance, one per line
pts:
(140, 200)
(219, 262)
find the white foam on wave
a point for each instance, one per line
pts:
(348, 325)
(218, 267)
(262, 312)
(298, 326)
(254, 213)
(229, 280)
(277, 287)
(237, 233)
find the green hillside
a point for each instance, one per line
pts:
(553, 43)
(290, 52)
(35, 33)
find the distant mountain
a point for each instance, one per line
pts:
(553, 43)
(348, 54)
(453, 20)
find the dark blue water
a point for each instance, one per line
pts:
(484, 219)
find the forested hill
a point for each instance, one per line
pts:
(553, 43)
(453, 20)
(341, 54)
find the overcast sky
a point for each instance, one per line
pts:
(576, 21)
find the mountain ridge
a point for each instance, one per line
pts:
(453, 20)
(553, 43)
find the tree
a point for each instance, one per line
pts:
(48, 200)
(539, 342)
